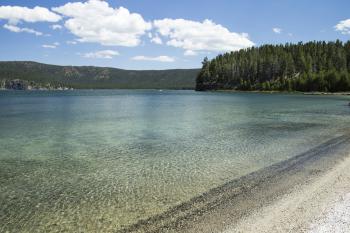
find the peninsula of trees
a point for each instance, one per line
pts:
(308, 67)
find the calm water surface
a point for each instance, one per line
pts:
(100, 160)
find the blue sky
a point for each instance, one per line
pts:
(104, 34)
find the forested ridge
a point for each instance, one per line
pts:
(307, 67)
(86, 77)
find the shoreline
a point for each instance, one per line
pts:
(224, 208)
(321, 205)
(181, 89)
(185, 89)
(281, 92)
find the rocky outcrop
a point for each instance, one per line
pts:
(16, 84)
(19, 84)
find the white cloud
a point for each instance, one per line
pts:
(277, 30)
(16, 29)
(105, 54)
(95, 21)
(190, 53)
(51, 46)
(343, 26)
(159, 58)
(56, 27)
(156, 39)
(71, 42)
(16, 14)
(201, 36)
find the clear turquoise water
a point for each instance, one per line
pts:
(99, 160)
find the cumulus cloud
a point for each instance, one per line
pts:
(16, 14)
(159, 58)
(156, 39)
(95, 21)
(201, 36)
(105, 54)
(277, 30)
(16, 29)
(343, 26)
(56, 27)
(190, 53)
(51, 46)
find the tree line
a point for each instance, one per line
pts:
(313, 66)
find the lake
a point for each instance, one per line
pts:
(100, 160)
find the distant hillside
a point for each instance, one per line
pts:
(80, 77)
(313, 66)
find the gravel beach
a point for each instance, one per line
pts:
(306, 193)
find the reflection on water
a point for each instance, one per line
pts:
(99, 160)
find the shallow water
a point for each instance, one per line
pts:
(100, 160)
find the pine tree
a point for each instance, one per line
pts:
(313, 66)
